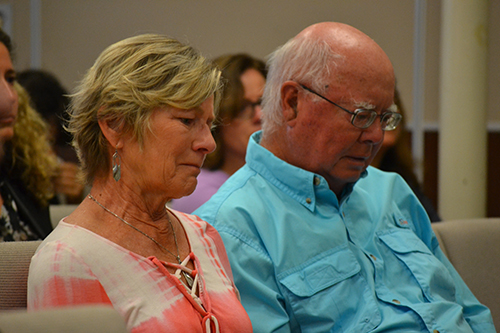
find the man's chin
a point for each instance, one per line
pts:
(353, 175)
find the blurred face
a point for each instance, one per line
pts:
(173, 151)
(324, 140)
(8, 98)
(237, 133)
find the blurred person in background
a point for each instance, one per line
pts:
(27, 164)
(395, 155)
(239, 117)
(50, 99)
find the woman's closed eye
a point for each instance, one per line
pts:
(187, 121)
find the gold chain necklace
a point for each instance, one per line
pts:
(188, 277)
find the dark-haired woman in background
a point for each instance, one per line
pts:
(239, 116)
(395, 155)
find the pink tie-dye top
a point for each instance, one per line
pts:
(75, 266)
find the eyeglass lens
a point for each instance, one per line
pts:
(364, 118)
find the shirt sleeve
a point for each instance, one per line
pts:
(59, 277)
(477, 315)
(254, 277)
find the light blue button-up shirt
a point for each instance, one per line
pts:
(305, 262)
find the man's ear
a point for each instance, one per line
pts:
(112, 131)
(289, 100)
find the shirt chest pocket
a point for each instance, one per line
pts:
(430, 273)
(321, 291)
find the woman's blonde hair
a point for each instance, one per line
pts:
(128, 81)
(31, 156)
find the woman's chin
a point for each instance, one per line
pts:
(6, 133)
(188, 187)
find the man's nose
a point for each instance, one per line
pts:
(374, 133)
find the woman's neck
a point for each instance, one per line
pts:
(232, 164)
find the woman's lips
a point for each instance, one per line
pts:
(7, 120)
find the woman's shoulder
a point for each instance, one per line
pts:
(189, 220)
(197, 226)
(64, 238)
(80, 242)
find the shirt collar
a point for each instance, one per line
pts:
(303, 186)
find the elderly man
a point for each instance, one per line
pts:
(318, 240)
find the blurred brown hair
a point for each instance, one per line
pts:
(232, 102)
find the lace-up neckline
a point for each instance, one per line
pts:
(192, 293)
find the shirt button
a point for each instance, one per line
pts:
(308, 200)
(398, 302)
(435, 331)
(316, 181)
(373, 257)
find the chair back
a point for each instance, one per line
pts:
(79, 319)
(473, 247)
(15, 258)
(58, 212)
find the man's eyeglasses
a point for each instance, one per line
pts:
(362, 118)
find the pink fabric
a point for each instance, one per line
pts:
(74, 266)
(209, 182)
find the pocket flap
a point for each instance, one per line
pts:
(321, 272)
(404, 241)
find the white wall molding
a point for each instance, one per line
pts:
(492, 127)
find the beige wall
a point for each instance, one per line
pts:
(494, 62)
(74, 32)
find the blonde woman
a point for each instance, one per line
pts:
(141, 120)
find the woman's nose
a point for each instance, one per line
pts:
(8, 97)
(206, 141)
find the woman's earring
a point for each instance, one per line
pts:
(117, 167)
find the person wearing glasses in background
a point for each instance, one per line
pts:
(317, 239)
(238, 118)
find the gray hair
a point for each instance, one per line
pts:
(304, 59)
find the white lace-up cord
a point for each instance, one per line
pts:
(182, 267)
(210, 321)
